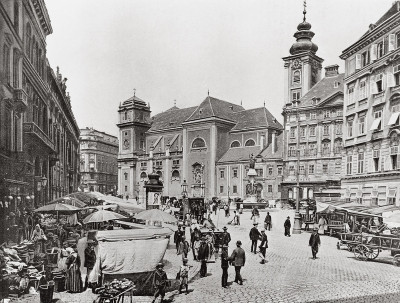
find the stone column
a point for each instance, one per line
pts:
(167, 172)
(184, 155)
(213, 151)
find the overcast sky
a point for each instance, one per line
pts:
(179, 49)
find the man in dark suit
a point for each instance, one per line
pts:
(202, 256)
(238, 258)
(178, 237)
(314, 242)
(225, 237)
(267, 221)
(287, 225)
(224, 265)
(254, 236)
(263, 245)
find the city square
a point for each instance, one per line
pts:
(150, 154)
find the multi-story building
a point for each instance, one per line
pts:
(38, 132)
(371, 165)
(208, 145)
(99, 167)
(313, 114)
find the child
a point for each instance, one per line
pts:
(184, 275)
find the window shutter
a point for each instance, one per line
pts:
(392, 42)
(387, 163)
(391, 82)
(358, 61)
(373, 52)
(385, 45)
(372, 86)
(384, 80)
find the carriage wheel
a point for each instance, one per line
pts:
(396, 260)
(360, 252)
(372, 253)
(350, 247)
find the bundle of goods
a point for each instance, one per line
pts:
(114, 288)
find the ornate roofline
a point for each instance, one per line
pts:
(43, 15)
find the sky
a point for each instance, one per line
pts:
(179, 49)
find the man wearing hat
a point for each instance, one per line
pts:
(264, 245)
(314, 242)
(254, 236)
(238, 259)
(203, 255)
(90, 258)
(287, 225)
(159, 282)
(225, 237)
(224, 265)
(178, 237)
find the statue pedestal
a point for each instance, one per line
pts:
(251, 173)
(250, 199)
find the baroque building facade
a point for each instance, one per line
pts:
(38, 133)
(98, 161)
(208, 146)
(313, 116)
(371, 164)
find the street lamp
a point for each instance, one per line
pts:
(297, 218)
(184, 189)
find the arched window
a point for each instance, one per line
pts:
(143, 175)
(235, 144)
(175, 175)
(125, 115)
(290, 193)
(159, 173)
(198, 143)
(250, 142)
(296, 77)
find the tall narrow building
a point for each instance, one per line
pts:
(312, 113)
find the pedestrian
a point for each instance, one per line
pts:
(159, 282)
(90, 259)
(264, 245)
(321, 225)
(194, 237)
(238, 258)
(224, 265)
(236, 218)
(203, 255)
(267, 221)
(184, 248)
(184, 276)
(178, 237)
(73, 263)
(225, 237)
(254, 236)
(314, 242)
(226, 208)
(287, 225)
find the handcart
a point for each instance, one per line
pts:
(118, 298)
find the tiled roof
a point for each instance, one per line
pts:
(323, 90)
(240, 153)
(212, 107)
(255, 118)
(267, 153)
(133, 99)
(171, 118)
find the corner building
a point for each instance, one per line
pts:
(207, 145)
(313, 116)
(371, 165)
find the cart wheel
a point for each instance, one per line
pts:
(350, 247)
(396, 260)
(360, 252)
(372, 253)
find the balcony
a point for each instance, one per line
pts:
(292, 153)
(30, 128)
(377, 135)
(21, 99)
(379, 98)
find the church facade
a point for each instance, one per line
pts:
(208, 146)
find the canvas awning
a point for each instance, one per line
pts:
(392, 193)
(376, 123)
(393, 118)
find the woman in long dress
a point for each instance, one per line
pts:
(38, 237)
(321, 225)
(74, 279)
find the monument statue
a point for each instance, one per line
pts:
(252, 161)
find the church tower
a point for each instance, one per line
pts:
(303, 66)
(133, 122)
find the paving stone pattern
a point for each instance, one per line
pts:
(290, 275)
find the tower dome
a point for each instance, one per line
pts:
(303, 38)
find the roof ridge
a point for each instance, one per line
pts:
(212, 110)
(265, 116)
(193, 112)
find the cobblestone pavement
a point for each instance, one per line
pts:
(290, 274)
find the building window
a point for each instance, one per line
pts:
(235, 144)
(350, 128)
(270, 170)
(396, 71)
(293, 132)
(349, 165)
(235, 173)
(126, 176)
(296, 77)
(312, 150)
(126, 188)
(312, 130)
(292, 151)
(222, 174)
(295, 95)
(303, 131)
(338, 128)
(363, 89)
(250, 142)
(141, 144)
(291, 170)
(143, 164)
(326, 129)
(398, 40)
(198, 143)
(360, 167)
(260, 172)
(394, 156)
(365, 58)
(380, 49)
(175, 162)
(327, 114)
(270, 188)
(311, 169)
(234, 189)
(175, 175)
(350, 94)
(361, 125)
(377, 124)
(326, 146)
(6, 63)
(221, 189)
(379, 83)
(280, 169)
(325, 168)
(313, 115)
(338, 167)
(376, 158)
(301, 170)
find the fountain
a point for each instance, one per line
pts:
(251, 189)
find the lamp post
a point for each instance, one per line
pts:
(185, 205)
(297, 218)
(184, 186)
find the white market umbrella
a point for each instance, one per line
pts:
(102, 216)
(156, 215)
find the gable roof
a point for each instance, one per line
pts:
(255, 118)
(212, 107)
(267, 152)
(240, 153)
(324, 89)
(171, 118)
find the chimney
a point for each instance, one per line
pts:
(331, 70)
(273, 142)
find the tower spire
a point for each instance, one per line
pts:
(134, 92)
(174, 102)
(304, 10)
